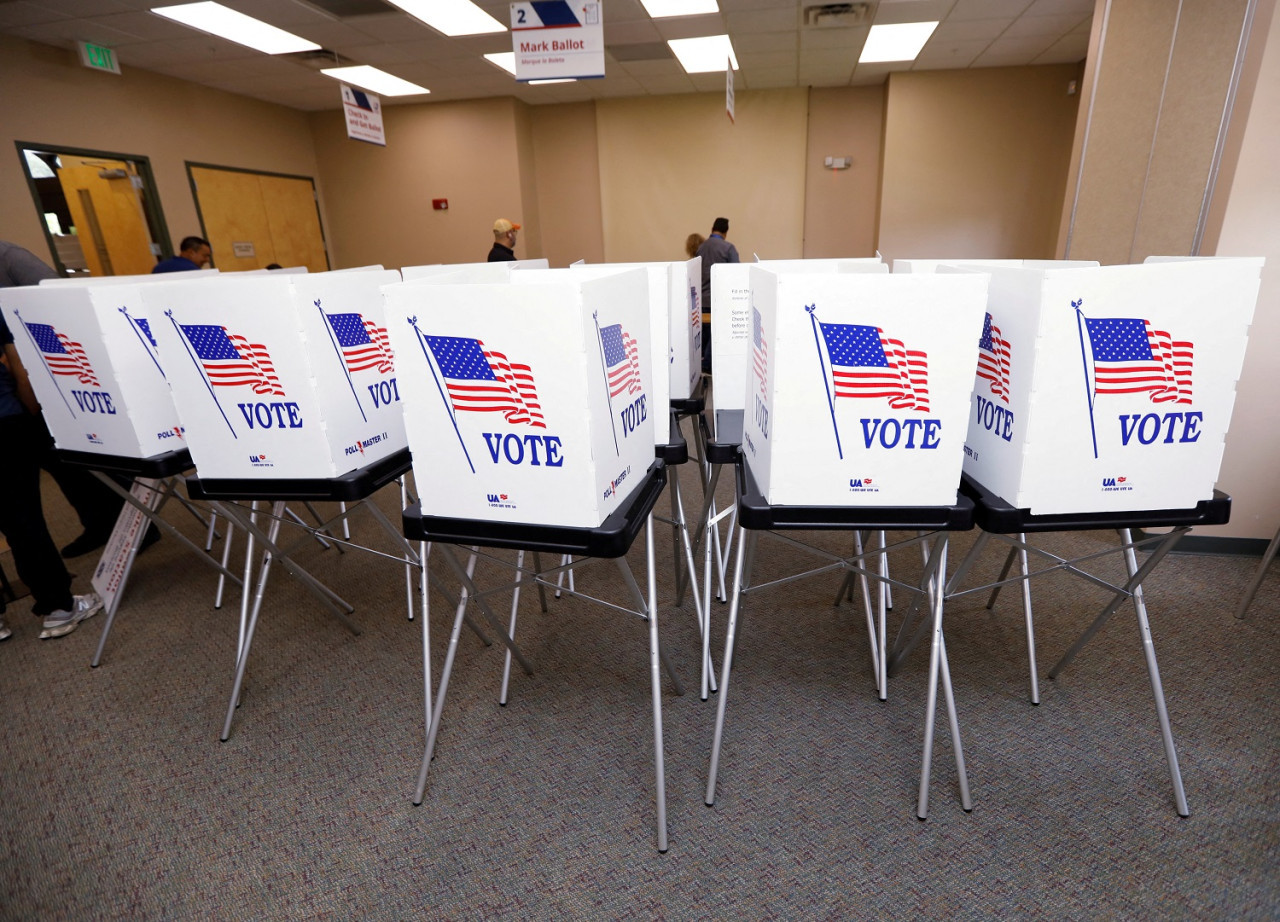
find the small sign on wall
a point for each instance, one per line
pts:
(363, 112)
(242, 249)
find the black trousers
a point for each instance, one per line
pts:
(22, 441)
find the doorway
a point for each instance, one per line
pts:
(99, 210)
(253, 220)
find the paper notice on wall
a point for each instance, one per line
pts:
(557, 40)
(728, 92)
(364, 116)
(117, 556)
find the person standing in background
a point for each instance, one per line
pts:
(194, 253)
(504, 241)
(715, 249)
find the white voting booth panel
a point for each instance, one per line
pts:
(858, 386)
(91, 355)
(1109, 389)
(731, 318)
(497, 271)
(529, 401)
(931, 265)
(81, 280)
(281, 376)
(683, 300)
(659, 328)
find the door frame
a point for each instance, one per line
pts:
(151, 207)
(195, 195)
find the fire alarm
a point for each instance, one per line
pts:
(439, 204)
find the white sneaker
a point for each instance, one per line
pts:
(5, 631)
(63, 622)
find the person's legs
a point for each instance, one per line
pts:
(22, 517)
(96, 504)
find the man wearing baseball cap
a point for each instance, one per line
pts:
(504, 241)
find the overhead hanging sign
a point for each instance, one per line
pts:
(364, 116)
(555, 39)
(728, 91)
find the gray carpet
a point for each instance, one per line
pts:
(119, 802)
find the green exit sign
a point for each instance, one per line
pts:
(97, 57)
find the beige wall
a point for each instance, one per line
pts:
(975, 161)
(1250, 226)
(568, 162)
(840, 206)
(379, 198)
(670, 165)
(49, 98)
(1155, 102)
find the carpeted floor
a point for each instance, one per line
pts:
(119, 802)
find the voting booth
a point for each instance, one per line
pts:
(731, 320)
(530, 401)
(495, 271)
(858, 386)
(281, 376)
(659, 327)
(932, 265)
(1109, 389)
(679, 297)
(91, 355)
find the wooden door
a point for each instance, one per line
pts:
(265, 217)
(106, 207)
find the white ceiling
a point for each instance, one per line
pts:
(774, 46)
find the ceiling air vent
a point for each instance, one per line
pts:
(838, 15)
(317, 59)
(641, 51)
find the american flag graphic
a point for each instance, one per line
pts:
(145, 327)
(482, 380)
(364, 344)
(993, 359)
(759, 352)
(622, 360)
(63, 356)
(232, 361)
(866, 363)
(695, 309)
(1129, 357)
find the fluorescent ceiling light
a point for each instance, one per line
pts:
(223, 22)
(452, 17)
(504, 59)
(659, 9)
(374, 80)
(901, 42)
(552, 80)
(704, 55)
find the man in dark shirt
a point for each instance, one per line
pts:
(194, 254)
(715, 249)
(504, 241)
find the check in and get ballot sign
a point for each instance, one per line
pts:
(527, 402)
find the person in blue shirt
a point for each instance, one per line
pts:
(194, 253)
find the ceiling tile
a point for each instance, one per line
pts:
(912, 11)
(970, 30)
(1067, 50)
(988, 9)
(945, 55)
(850, 40)
(767, 60)
(690, 26)
(1053, 26)
(764, 20)
(765, 41)
(631, 33)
